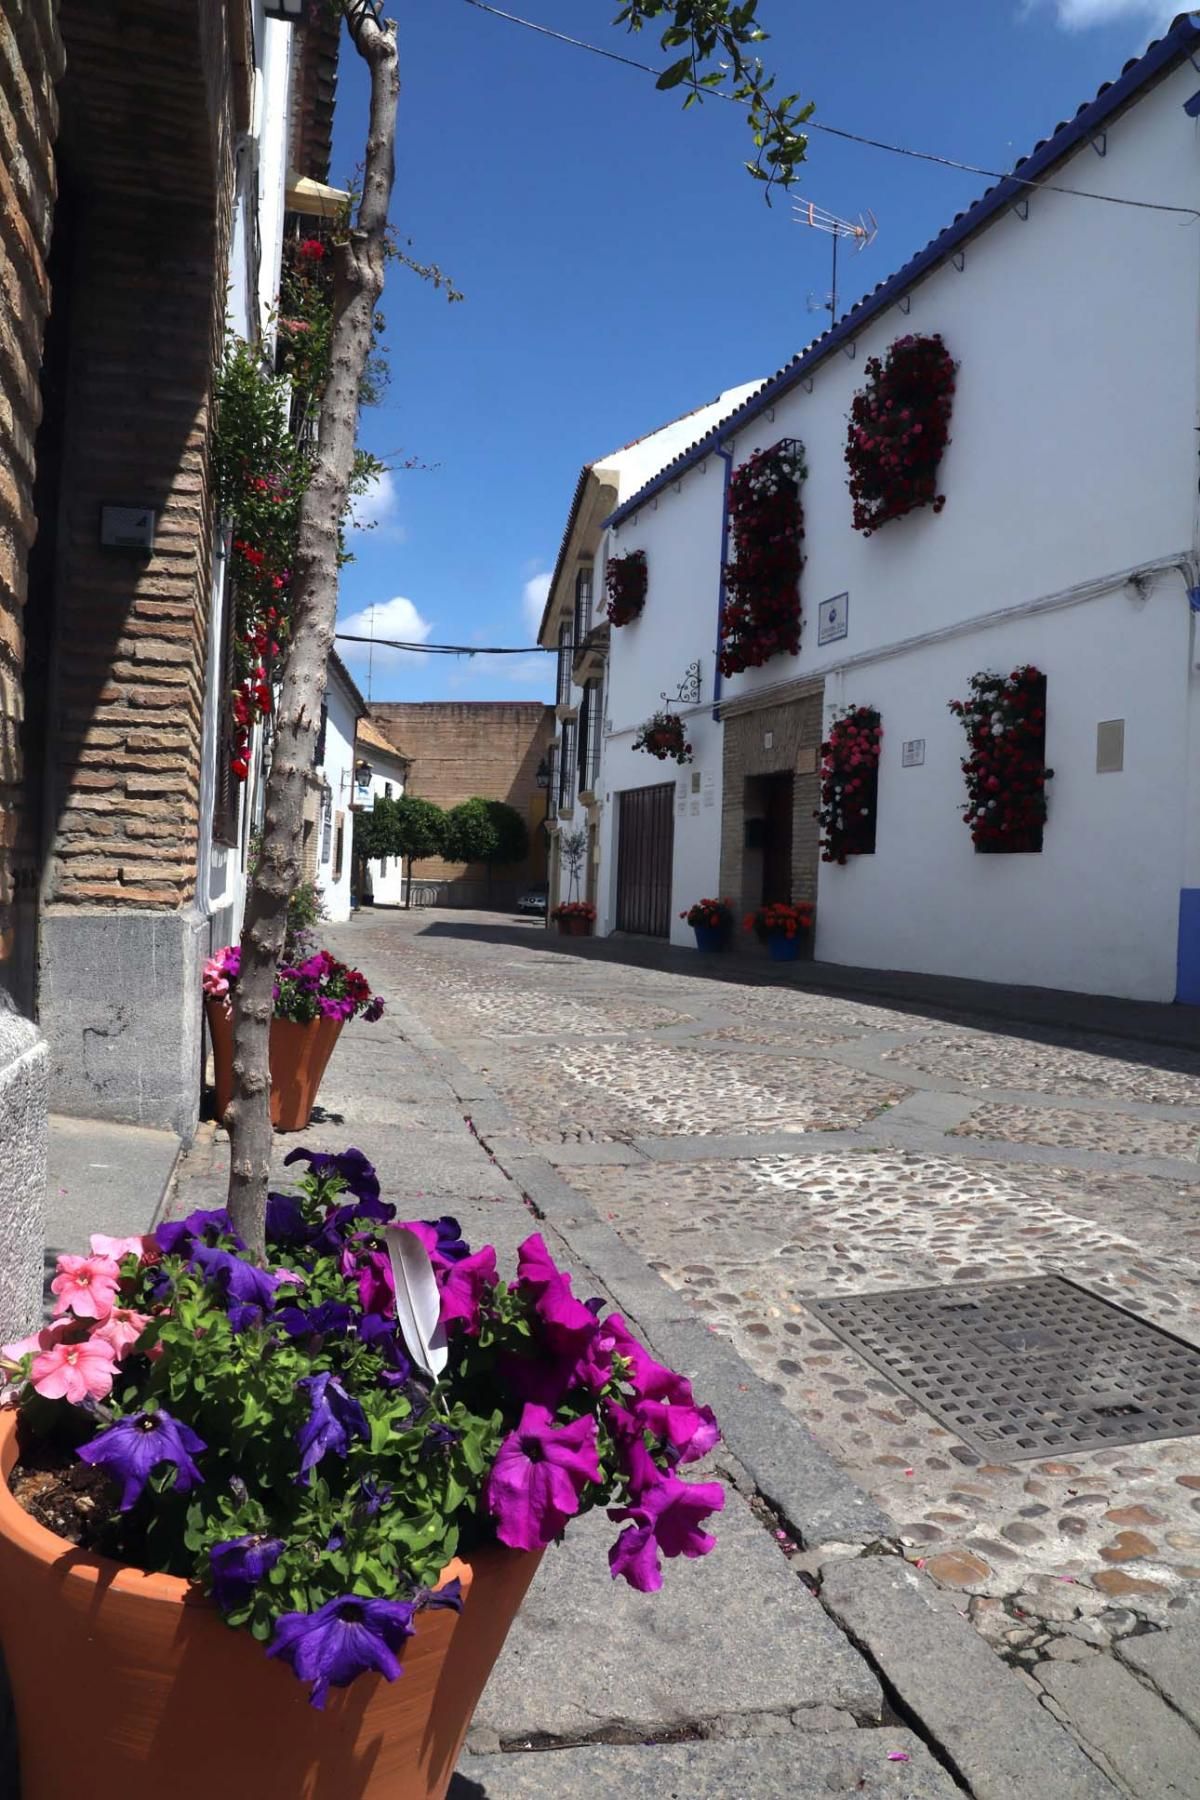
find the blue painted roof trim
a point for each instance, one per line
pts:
(1179, 41)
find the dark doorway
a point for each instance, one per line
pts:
(778, 799)
(645, 847)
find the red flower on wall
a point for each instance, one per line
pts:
(663, 736)
(850, 784)
(1005, 768)
(899, 428)
(761, 614)
(625, 582)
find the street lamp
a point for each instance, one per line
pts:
(291, 10)
(543, 774)
(363, 772)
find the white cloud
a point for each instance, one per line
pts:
(375, 510)
(533, 599)
(396, 618)
(511, 671)
(1079, 15)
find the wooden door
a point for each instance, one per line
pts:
(778, 795)
(645, 845)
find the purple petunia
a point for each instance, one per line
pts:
(341, 1639)
(539, 1476)
(351, 1166)
(236, 1279)
(286, 1223)
(238, 1565)
(130, 1449)
(382, 1335)
(332, 1318)
(333, 1416)
(666, 1519)
(177, 1236)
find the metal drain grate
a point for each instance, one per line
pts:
(1025, 1368)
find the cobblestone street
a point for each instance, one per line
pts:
(762, 1145)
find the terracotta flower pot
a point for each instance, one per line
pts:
(574, 927)
(168, 1699)
(299, 1057)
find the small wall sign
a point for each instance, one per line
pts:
(912, 753)
(833, 620)
(127, 527)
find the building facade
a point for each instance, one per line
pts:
(576, 626)
(381, 772)
(466, 749)
(1067, 544)
(334, 790)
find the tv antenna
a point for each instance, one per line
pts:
(860, 231)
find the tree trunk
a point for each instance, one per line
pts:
(358, 284)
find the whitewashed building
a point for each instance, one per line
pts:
(381, 771)
(1068, 541)
(575, 623)
(331, 853)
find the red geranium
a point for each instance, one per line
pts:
(1005, 769)
(899, 427)
(850, 784)
(625, 582)
(761, 614)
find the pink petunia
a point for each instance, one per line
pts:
(86, 1286)
(45, 1339)
(117, 1247)
(75, 1372)
(121, 1330)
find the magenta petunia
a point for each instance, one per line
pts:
(539, 1477)
(666, 1520)
(463, 1286)
(568, 1325)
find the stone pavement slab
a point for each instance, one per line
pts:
(991, 1726)
(104, 1177)
(1171, 1660)
(799, 1766)
(1148, 1746)
(733, 1636)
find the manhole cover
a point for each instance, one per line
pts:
(1025, 1368)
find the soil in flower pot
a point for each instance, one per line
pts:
(299, 1057)
(174, 1702)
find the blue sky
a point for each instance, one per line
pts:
(620, 267)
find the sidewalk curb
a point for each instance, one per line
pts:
(813, 1495)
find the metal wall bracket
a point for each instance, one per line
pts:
(688, 691)
(1021, 208)
(905, 304)
(959, 259)
(807, 384)
(1100, 143)
(849, 349)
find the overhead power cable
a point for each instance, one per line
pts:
(838, 131)
(346, 637)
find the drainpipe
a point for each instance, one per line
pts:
(726, 457)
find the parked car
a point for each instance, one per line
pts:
(534, 900)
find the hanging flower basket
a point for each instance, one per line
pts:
(850, 785)
(761, 615)
(1005, 769)
(663, 736)
(899, 428)
(625, 582)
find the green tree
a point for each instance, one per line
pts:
(486, 831)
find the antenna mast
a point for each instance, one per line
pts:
(861, 231)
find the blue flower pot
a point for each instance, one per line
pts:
(710, 937)
(783, 949)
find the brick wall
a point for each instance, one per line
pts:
(779, 737)
(460, 749)
(31, 60)
(146, 145)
